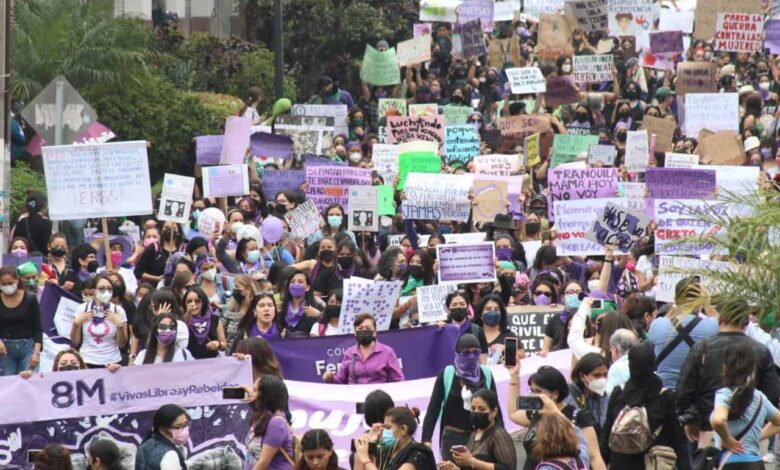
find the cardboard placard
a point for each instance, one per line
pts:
(707, 14)
(490, 198)
(666, 42)
(663, 130)
(697, 77)
(380, 68)
(591, 15)
(592, 68)
(561, 90)
(723, 148)
(414, 51)
(501, 51)
(739, 32)
(629, 17)
(555, 35)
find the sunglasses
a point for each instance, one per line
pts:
(546, 294)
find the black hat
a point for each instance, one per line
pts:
(503, 221)
(467, 341)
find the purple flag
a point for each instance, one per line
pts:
(263, 144)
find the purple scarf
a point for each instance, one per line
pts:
(292, 318)
(465, 327)
(467, 367)
(200, 326)
(272, 332)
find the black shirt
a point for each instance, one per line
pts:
(36, 230)
(22, 321)
(556, 329)
(152, 262)
(198, 350)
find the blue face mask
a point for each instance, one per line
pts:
(388, 439)
(253, 256)
(491, 317)
(573, 301)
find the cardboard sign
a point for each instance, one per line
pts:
(457, 114)
(528, 323)
(567, 147)
(739, 32)
(697, 77)
(385, 159)
(673, 269)
(637, 150)
(430, 302)
(501, 51)
(466, 263)
(310, 134)
(176, 198)
(707, 14)
(432, 196)
(326, 185)
(561, 90)
(380, 68)
(461, 143)
(592, 68)
(713, 111)
(555, 36)
(574, 220)
(680, 183)
(569, 184)
(363, 209)
(591, 15)
(723, 148)
(604, 154)
(490, 198)
(472, 39)
(620, 226)
(391, 107)
(414, 51)
(663, 130)
(630, 17)
(666, 42)
(471, 10)
(531, 149)
(236, 142)
(513, 129)
(680, 160)
(526, 80)
(304, 220)
(226, 180)
(408, 129)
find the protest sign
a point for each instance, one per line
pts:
(385, 159)
(674, 20)
(407, 129)
(473, 39)
(591, 15)
(337, 111)
(236, 142)
(592, 68)
(673, 269)
(637, 150)
(514, 185)
(276, 181)
(619, 226)
(439, 10)
(380, 68)
(263, 144)
(496, 164)
(104, 180)
(457, 238)
(461, 143)
(707, 14)
(561, 90)
(568, 184)
(525, 80)
(633, 197)
(713, 111)
(680, 160)
(505, 10)
(226, 180)
(310, 159)
(772, 36)
(377, 297)
(697, 77)
(629, 17)
(528, 322)
(501, 51)
(470, 10)
(391, 107)
(531, 150)
(490, 198)
(457, 114)
(328, 185)
(739, 32)
(514, 129)
(208, 148)
(75, 408)
(304, 220)
(385, 200)
(666, 42)
(416, 162)
(605, 154)
(734, 179)
(723, 148)
(567, 147)
(555, 36)
(414, 51)
(663, 130)
(176, 198)
(466, 263)
(430, 302)
(534, 8)
(423, 110)
(310, 134)
(680, 225)
(421, 29)
(433, 196)
(574, 220)
(363, 210)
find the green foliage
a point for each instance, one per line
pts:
(23, 178)
(80, 40)
(257, 69)
(217, 104)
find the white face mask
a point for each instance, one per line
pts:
(9, 290)
(598, 386)
(236, 227)
(210, 274)
(566, 68)
(103, 297)
(355, 157)
(763, 86)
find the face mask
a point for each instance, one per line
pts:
(253, 256)
(491, 317)
(210, 274)
(707, 55)
(582, 118)
(416, 271)
(532, 228)
(573, 301)
(236, 227)
(59, 252)
(631, 265)
(103, 297)
(297, 290)
(458, 314)
(457, 99)
(504, 254)
(401, 269)
(598, 386)
(19, 252)
(388, 439)
(445, 229)
(385, 221)
(566, 68)
(92, 266)
(181, 436)
(67, 367)
(332, 311)
(763, 86)
(479, 420)
(364, 337)
(9, 290)
(327, 255)
(238, 296)
(335, 221)
(167, 234)
(281, 209)
(346, 262)
(593, 285)
(116, 258)
(166, 337)
(541, 300)
(196, 214)
(632, 94)
(87, 298)
(354, 158)
(621, 136)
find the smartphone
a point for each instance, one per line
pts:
(597, 304)
(32, 455)
(360, 408)
(529, 403)
(233, 393)
(510, 351)
(459, 449)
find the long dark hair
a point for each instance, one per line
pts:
(144, 317)
(385, 264)
(635, 307)
(308, 298)
(108, 453)
(164, 417)
(316, 439)
(586, 365)
(245, 324)
(501, 307)
(271, 399)
(264, 361)
(151, 344)
(204, 302)
(739, 374)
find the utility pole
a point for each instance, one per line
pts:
(5, 136)
(278, 49)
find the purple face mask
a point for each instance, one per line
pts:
(504, 254)
(297, 290)
(166, 337)
(541, 300)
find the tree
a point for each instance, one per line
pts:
(78, 39)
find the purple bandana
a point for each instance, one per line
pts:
(467, 366)
(200, 326)
(272, 332)
(292, 318)
(465, 327)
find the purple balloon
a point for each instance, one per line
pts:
(272, 229)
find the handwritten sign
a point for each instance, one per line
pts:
(561, 90)
(496, 164)
(619, 226)
(430, 302)
(436, 197)
(568, 184)
(697, 77)
(680, 226)
(680, 183)
(666, 42)
(466, 263)
(490, 198)
(226, 180)
(567, 147)
(470, 10)
(528, 323)
(739, 32)
(633, 197)
(604, 154)
(385, 159)
(680, 160)
(713, 111)
(472, 39)
(380, 67)
(208, 148)
(304, 220)
(377, 297)
(513, 129)
(326, 185)
(310, 134)
(501, 51)
(637, 150)
(591, 15)
(456, 114)
(673, 269)
(414, 51)
(707, 14)
(526, 80)
(391, 107)
(363, 209)
(629, 17)
(407, 129)
(176, 198)
(574, 220)
(104, 180)
(461, 143)
(592, 68)
(276, 181)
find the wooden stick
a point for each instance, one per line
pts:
(106, 244)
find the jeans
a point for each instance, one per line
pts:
(18, 355)
(450, 437)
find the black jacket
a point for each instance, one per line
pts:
(702, 375)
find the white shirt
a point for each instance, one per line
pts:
(170, 461)
(98, 340)
(329, 330)
(618, 373)
(644, 266)
(576, 338)
(179, 355)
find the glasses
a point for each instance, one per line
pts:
(105, 289)
(194, 301)
(573, 292)
(544, 293)
(181, 426)
(166, 328)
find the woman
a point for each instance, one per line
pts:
(248, 259)
(269, 442)
(645, 389)
(104, 454)
(207, 335)
(451, 396)
(588, 387)
(544, 292)
(324, 272)
(159, 449)
(491, 312)
(254, 96)
(21, 331)
(335, 223)
(53, 457)
(557, 444)
(263, 322)
(100, 327)
(58, 260)
(419, 273)
(741, 410)
(489, 443)
(237, 307)
(84, 264)
(641, 310)
(153, 304)
(157, 249)
(212, 282)
(458, 307)
(318, 453)
(607, 322)
(162, 345)
(549, 384)
(367, 242)
(392, 265)
(300, 309)
(398, 440)
(329, 321)
(121, 299)
(286, 201)
(556, 329)
(264, 361)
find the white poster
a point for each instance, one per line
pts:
(525, 80)
(430, 302)
(712, 111)
(680, 160)
(673, 269)
(363, 214)
(637, 150)
(176, 198)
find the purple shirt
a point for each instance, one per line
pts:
(277, 435)
(380, 367)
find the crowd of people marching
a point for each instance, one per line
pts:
(688, 384)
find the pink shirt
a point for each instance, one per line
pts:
(381, 366)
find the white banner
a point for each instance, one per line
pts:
(669, 275)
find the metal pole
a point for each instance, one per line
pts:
(278, 50)
(59, 105)
(5, 134)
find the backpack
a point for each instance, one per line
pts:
(631, 432)
(449, 374)
(557, 464)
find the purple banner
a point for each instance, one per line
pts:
(275, 181)
(306, 359)
(263, 144)
(234, 147)
(321, 160)
(16, 261)
(665, 42)
(207, 149)
(680, 183)
(466, 263)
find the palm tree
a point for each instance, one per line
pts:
(80, 39)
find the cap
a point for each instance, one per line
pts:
(382, 45)
(752, 143)
(746, 89)
(467, 341)
(727, 70)
(663, 93)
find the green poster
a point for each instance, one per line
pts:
(391, 107)
(380, 68)
(385, 202)
(417, 162)
(456, 114)
(566, 147)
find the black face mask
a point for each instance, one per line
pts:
(485, 291)
(623, 115)
(457, 99)
(582, 118)
(238, 296)
(432, 252)
(532, 228)
(93, 266)
(479, 420)
(621, 136)
(631, 94)
(68, 367)
(346, 262)
(327, 255)
(281, 209)
(331, 312)
(168, 234)
(364, 337)
(416, 271)
(119, 290)
(59, 252)
(458, 314)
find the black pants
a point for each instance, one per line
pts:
(744, 466)
(449, 438)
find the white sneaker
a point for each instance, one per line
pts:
(768, 458)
